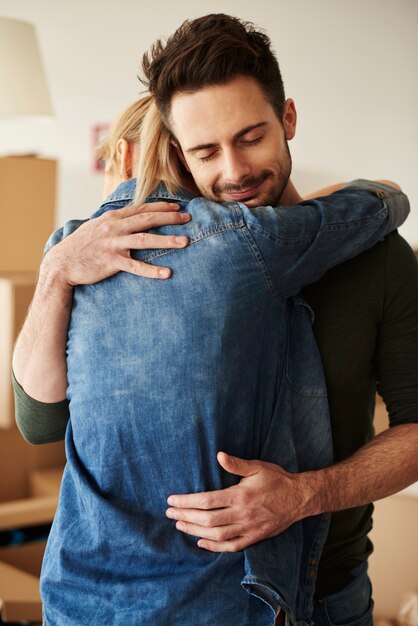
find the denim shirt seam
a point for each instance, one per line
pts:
(255, 251)
(261, 265)
(117, 198)
(359, 221)
(269, 236)
(304, 393)
(202, 235)
(160, 193)
(250, 579)
(315, 555)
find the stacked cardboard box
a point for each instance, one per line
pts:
(29, 475)
(16, 292)
(27, 207)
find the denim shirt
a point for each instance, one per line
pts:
(162, 375)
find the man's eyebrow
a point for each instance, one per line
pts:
(240, 133)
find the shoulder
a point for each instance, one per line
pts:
(401, 273)
(389, 257)
(62, 232)
(367, 282)
(399, 251)
(123, 194)
(394, 266)
(212, 216)
(119, 198)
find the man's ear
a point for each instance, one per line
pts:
(124, 158)
(289, 119)
(180, 154)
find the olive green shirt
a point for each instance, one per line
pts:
(366, 326)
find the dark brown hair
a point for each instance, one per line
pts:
(211, 50)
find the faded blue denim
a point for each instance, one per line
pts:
(162, 375)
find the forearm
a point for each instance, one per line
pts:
(89, 251)
(387, 464)
(39, 359)
(326, 191)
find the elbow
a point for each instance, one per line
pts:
(30, 437)
(389, 183)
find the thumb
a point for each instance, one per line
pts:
(235, 465)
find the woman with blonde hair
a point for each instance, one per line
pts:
(154, 157)
(119, 149)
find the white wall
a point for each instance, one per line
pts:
(350, 65)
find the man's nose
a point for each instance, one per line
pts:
(235, 167)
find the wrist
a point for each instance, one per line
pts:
(53, 277)
(312, 493)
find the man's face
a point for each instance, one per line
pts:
(233, 143)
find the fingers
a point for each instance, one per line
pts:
(100, 247)
(145, 241)
(239, 467)
(202, 518)
(204, 500)
(147, 207)
(218, 539)
(139, 268)
(146, 221)
(218, 534)
(233, 545)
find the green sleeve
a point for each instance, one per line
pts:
(39, 422)
(397, 346)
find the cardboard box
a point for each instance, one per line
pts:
(27, 496)
(19, 582)
(39, 505)
(381, 418)
(27, 557)
(27, 512)
(393, 565)
(20, 566)
(27, 208)
(16, 292)
(45, 482)
(18, 460)
(19, 595)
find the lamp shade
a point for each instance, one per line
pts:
(23, 85)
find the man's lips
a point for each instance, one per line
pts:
(245, 194)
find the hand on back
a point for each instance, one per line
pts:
(101, 247)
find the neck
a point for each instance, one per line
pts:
(189, 185)
(290, 195)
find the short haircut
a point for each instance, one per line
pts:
(211, 50)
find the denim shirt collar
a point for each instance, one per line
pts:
(126, 192)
